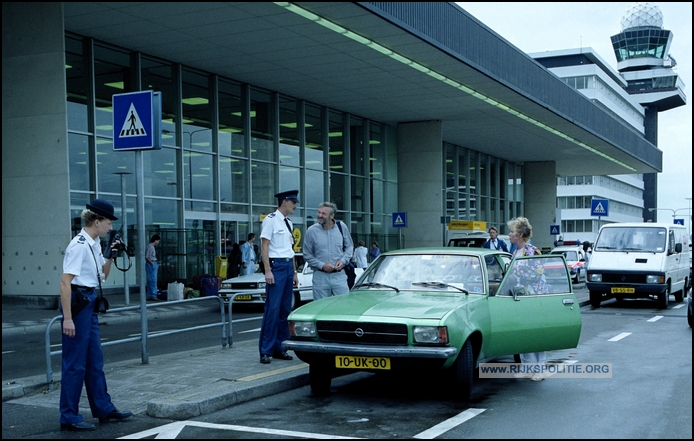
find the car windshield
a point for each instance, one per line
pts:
(425, 272)
(569, 255)
(648, 239)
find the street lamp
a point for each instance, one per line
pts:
(674, 212)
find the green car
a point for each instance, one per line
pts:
(438, 309)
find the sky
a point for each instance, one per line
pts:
(539, 27)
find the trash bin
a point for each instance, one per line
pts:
(222, 265)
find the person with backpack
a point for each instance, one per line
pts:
(328, 249)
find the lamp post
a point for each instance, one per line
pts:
(674, 212)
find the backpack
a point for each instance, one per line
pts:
(349, 268)
(209, 285)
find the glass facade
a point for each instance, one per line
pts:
(227, 149)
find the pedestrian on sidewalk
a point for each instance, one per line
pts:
(82, 357)
(280, 277)
(152, 267)
(248, 256)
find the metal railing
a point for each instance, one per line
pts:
(226, 335)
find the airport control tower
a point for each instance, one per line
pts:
(643, 60)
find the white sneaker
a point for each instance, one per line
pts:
(537, 377)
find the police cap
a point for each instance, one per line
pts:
(102, 208)
(291, 195)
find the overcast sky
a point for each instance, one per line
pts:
(539, 27)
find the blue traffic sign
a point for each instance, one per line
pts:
(679, 221)
(599, 207)
(400, 219)
(554, 229)
(137, 120)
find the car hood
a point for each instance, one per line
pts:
(385, 304)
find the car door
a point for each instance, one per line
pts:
(534, 308)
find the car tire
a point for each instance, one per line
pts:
(296, 300)
(595, 299)
(664, 298)
(463, 373)
(679, 296)
(516, 358)
(320, 377)
(689, 315)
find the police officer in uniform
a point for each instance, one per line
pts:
(83, 360)
(280, 277)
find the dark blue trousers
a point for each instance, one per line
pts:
(83, 363)
(278, 304)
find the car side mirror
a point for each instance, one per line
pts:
(518, 291)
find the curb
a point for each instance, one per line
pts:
(213, 398)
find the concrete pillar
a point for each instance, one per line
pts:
(540, 195)
(420, 182)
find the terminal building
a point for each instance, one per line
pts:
(385, 108)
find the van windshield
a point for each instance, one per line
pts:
(650, 239)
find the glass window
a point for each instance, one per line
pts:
(197, 112)
(289, 131)
(356, 149)
(109, 165)
(80, 162)
(315, 192)
(160, 173)
(359, 195)
(231, 117)
(111, 76)
(158, 76)
(377, 149)
(314, 137)
(161, 212)
(198, 175)
(264, 184)
(232, 172)
(336, 153)
(338, 189)
(262, 126)
(77, 85)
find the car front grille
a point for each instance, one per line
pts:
(359, 332)
(624, 278)
(247, 285)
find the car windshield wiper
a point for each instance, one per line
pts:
(378, 285)
(440, 285)
(631, 249)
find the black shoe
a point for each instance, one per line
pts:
(282, 356)
(116, 415)
(78, 427)
(265, 359)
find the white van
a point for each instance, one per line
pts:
(639, 260)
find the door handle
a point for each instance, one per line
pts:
(568, 301)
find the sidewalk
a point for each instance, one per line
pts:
(169, 386)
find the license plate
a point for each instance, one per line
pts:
(623, 290)
(244, 297)
(350, 362)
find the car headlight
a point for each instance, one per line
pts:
(655, 278)
(226, 285)
(261, 285)
(302, 329)
(595, 277)
(430, 334)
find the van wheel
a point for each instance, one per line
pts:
(595, 299)
(679, 295)
(664, 298)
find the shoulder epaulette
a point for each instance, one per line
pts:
(271, 215)
(81, 239)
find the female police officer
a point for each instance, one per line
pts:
(83, 360)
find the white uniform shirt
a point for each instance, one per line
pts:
(80, 262)
(281, 240)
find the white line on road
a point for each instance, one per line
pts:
(620, 336)
(655, 319)
(449, 424)
(250, 330)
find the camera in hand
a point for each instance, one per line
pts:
(115, 236)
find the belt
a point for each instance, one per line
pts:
(280, 259)
(334, 271)
(88, 288)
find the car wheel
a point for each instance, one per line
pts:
(516, 358)
(320, 377)
(679, 296)
(595, 299)
(463, 372)
(664, 298)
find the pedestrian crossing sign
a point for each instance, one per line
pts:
(400, 219)
(137, 120)
(599, 207)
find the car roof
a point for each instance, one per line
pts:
(568, 248)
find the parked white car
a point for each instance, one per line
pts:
(575, 260)
(254, 285)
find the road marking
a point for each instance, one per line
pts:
(273, 372)
(7, 352)
(172, 430)
(681, 305)
(449, 424)
(620, 336)
(655, 319)
(250, 330)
